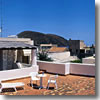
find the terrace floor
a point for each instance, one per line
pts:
(67, 85)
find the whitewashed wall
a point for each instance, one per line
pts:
(17, 73)
(88, 60)
(68, 68)
(82, 69)
(60, 56)
(60, 68)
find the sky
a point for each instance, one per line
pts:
(73, 19)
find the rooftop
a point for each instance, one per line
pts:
(15, 39)
(14, 43)
(67, 85)
(91, 57)
(58, 49)
(48, 44)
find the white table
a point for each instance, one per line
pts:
(41, 79)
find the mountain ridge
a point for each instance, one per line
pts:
(42, 38)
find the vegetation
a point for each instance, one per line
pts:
(44, 56)
(76, 61)
(41, 38)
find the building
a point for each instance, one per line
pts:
(92, 49)
(46, 46)
(59, 54)
(76, 46)
(57, 49)
(10, 52)
(88, 60)
(14, 50)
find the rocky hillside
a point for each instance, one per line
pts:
(41, 38)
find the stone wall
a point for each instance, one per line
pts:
(4, 59)
(8, 59)
(1, 60)
(19, 55)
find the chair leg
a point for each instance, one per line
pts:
(15, 89)
(31, 83)
(56, 85)
(23, 88)
(36, 82)
(0, 90)
(48, 86)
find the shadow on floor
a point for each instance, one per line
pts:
(12, 89)
(35, 86)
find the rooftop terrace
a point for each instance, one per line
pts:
(67, 85)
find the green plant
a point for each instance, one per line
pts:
(44, 56)
(76, 61)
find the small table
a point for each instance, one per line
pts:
(41, 77)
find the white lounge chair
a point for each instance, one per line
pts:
(11, 85)
(34, 77)
(52, 79)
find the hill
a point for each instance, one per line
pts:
(41, 38)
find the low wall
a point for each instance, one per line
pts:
(60, 68)
(88, 60)
(67, 68)
(17, 73)
(82, 69)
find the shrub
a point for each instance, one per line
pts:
(76, 61)
(44, 56)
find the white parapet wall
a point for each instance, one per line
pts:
(68, 68)
(60, 68)
(88, 60)
(17, 73)
(82, 69)
(51, 67)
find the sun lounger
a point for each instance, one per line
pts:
(11, 85)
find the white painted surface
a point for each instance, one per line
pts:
(17, 73)
(25, 40)
(60, 56)
(88, 60)
(34, 57)
(60, 68)
(82, 69)
(68, 68)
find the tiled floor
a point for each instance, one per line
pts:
(67, 85)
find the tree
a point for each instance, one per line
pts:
(44, 56)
